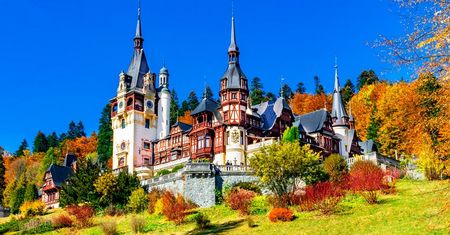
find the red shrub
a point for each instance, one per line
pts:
(240, 199)
(83, 214)
(323, 196)
(175, 208)
(62, 221)
(366, 178)
(281, 214)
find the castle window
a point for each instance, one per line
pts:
(123, 124)
(146, 145)
(147, 123)
(121, 162)
(207, 141)
(233, 96)
(129, 102)
(200, 142)
(115, 108)
(146, 161)
(225, 116)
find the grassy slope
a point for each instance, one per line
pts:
(418, 208)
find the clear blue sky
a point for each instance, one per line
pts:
(60, 60)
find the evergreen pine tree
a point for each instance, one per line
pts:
(367, 77)
(31, 193)
(270, 97)
(174, 107)
(17, 196)
(184, 108)
(256, 91)
(2, 177)
(192, 101)
(319, 87)
(373, 128)
(40, 144)
(80, 130)
(105, 135)
(127, 184)
(23, 146)
(300, 88)
(347, 91)
(286, 92)
(49, 158)
(79, 187)
(72, 132)
(52, 140)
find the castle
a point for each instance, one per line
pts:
(224, 133)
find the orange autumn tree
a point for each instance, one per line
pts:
(306, 103)
(81, 146)
(187, 118)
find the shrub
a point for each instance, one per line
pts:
(177, 168)
(83, 214)
(322, 196)
(201, 221)
(152, 198)
(281, 214)
(114, 211)
(259, 206)
(36, 226)
(366, 178)
(62, 221)
(138, 201)
(137, 224)
(336, 167)
(159, 207)
(33, 208)
(175, 208)
(163, 172)
(12, 226)
(240, 199)
(109, 228)
(250, 186)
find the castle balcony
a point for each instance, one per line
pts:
(203, 125)
(234, 168)
(120, 169)
(251, 148)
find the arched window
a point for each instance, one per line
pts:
(123, 123)
(121, 162)
(115, 108)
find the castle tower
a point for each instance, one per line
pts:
(234, 95)
(133, 113)
(341, 124)
(163, 104)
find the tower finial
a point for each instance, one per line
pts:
(233, 48)
(138, 39)
(281, 86)
(336, 77)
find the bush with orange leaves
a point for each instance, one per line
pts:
(366, 178)
(240, 199)
(281, 214)
(175, 208)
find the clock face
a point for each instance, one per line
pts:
(149, 104)
(121, 104)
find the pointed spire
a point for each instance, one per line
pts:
(233, 46)
(138, 39)
(336, 78)
(338, 111)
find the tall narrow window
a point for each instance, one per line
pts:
(147, 123)
(123, 123)
(207, 141)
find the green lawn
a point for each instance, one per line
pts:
(420, 207)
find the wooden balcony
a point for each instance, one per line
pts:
(203, 125)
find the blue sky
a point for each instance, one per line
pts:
(60, 60)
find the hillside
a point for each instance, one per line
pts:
(420, 207)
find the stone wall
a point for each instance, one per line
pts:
(198, 181)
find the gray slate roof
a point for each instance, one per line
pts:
(367, 146)
(270, 111)
(338, 110)
(311, 122)
(59, 173)
(137, 69)
(234, 74)
(183, 126)
(208, 105)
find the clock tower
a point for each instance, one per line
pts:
(133, 113)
